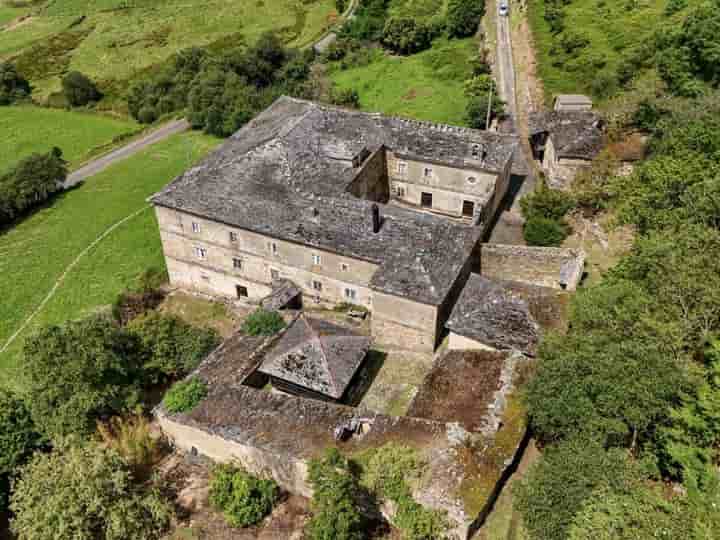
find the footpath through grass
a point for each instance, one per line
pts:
(35, 252)
(25, 130)
(427, 86)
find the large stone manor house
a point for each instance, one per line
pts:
(350, 207)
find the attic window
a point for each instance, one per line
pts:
(471, 180)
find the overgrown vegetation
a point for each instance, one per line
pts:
(13, 86)
(30, 183)
(185, 395)
(262, 322)
(243, 499)
(544, 210)
(79, 90)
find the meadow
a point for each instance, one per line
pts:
(427, 86)
(116, 40)
(611, 28)
(35, 252)
(8, 14)
(25, 130)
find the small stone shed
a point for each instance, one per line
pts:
(572, 103)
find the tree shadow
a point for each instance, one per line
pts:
(364, 378)
(49, 203)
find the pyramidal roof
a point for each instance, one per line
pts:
(317, 355)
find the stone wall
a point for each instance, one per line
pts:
(371, 182)
(561, 171)
(404, 324)
(544, 266)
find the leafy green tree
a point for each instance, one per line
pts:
(243, 499)
(463, 17)
(542, 231)
(30, 183)
(173, 347)
(340, 6)
(405, 35)
(79, 90)
(13, 86)
(262, 322)
(185, 395)
(85, 492)
(79, 372)
(544, 210)
(335, 492)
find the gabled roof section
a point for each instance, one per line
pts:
(317, 355)
(575, 134)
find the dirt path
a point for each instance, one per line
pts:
(67, 270)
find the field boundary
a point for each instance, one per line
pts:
(65, 272)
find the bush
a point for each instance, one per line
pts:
(542, 231)
(262, 322)
(172, 347)
(185, 395)
(243, 499)
(32, 182)
(340, 6)
(79, 90)
(368, 22)
(85, 492)
(79, 372)
(345, 97)
(13, 86)
(405, 35)
(463, 17)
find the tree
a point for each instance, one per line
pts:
(544, 210)
(84, 492)
(13, 86)
(80, 372)
(481, 93)
(30, 183)
(173, 347)
(405, 35)
(542, 231)
(340, 6)
(185, 395)
(243, 499)
(463, 17)
(79, 90)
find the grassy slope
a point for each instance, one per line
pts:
(25, 129)
(611, 27)
(427, 86)
(35, 252)
(8, 14)
(122, 42)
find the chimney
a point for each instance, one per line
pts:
(375, 218)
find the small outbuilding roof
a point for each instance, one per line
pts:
(283, 292)
(317, 355)
(572, 102)
(575, 134)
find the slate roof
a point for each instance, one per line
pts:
(282, 293)
(572, 100)
(317, 355)
(575, 134)
(285, 175)
(493, 314)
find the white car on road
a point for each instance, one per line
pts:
(504, 8)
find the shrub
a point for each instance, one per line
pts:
(13, 86)
(243, 499)
(463, 17)
(141, 297)
(172, 347)
(345, 97)
(32, 182)
(340, 5)
(132, 439)
(542, 231)
(262, 322)
(368, 22)
(79, 372)
(405, 35)
(79, 90)
(185, 395)
(85, 492)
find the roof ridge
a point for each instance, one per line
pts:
(323, 355)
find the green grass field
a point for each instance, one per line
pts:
(612, 28)
(426, 86)
(118, 39)
(8, 14)
(35, 252)
(25, 130)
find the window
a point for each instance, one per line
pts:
(427, 172)
(273, 247)
(274, 274)
(426, 200)
(237, 264)
(241, 291)
(401, 168)
(200, 252)
(468, 209)
(471, 180)
(350, 294)
(344, 267)
(400, 191)
(233, 236)
(195, 227)
(316, 259)
(316, 285)
(205, 277)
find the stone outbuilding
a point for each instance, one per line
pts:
(572, 103)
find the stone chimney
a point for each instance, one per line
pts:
(375, 209)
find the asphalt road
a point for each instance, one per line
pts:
(103, 162)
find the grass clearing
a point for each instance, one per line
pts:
(121, 39)
(9, 14)
(25, 130)
(34, 253)
(427, 86)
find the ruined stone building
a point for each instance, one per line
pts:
(371, 210)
